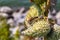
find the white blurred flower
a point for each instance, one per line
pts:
(5, 9)
(54, 11)
(22, 9)
(10, 22)
(19, 17)
(58, 15)
(14, 30)
(51, 14)
(58, 18)
(3, 14)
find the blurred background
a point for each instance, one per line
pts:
(15, 11)
(15, 3)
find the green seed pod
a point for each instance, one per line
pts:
(40, 28)
(32, 12)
